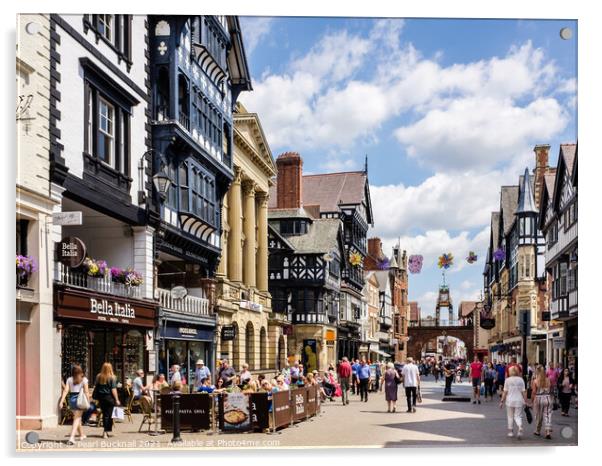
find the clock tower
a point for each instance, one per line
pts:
(444, 301)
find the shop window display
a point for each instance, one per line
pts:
(75, 350)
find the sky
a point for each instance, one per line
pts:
(447, 111)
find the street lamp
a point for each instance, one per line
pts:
(162, 182)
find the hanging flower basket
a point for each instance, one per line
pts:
(415, 263)
(26, 266)
(95, 268)
(127, 277)
(499, 254)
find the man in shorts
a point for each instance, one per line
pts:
(476, 375)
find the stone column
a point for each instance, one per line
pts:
(262, 242)
(235, 224)
(222, 269)
(249, 230)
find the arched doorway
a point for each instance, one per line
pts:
(281, 358)
(263, 349)
(250, 346)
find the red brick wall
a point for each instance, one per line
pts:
(289, 187)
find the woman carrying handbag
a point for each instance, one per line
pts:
(76, 388)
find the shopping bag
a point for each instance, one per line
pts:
(118, 413)
(337, 391)
(82, 401)
(482, 390)
(419, 396)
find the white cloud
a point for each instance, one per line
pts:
(459, 202)
(476, 114)
(480, 132)
(254, 29)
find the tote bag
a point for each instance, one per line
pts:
(118, 413)
(82, 401)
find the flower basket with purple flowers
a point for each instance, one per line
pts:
(26, 266)
(127, 277)
(95, 268)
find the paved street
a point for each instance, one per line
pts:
(435, 423)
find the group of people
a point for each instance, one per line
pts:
(543, 387)
(83, 404)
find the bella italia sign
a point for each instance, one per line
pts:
(71, 251)
(103, 307)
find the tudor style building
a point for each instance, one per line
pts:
(558, 222)
(514, 274)
(103, 308)
(197, 70)
(325, 219)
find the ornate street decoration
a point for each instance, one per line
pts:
(446, 260)
(355, 259)
(472, 257)
(486, 320)
(383, 263)
(499, 254)
(415, 263)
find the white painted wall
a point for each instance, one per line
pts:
(71, 87)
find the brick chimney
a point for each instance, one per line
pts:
(375, 247)
(542, 154)
(289, 184)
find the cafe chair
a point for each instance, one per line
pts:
(127, 409)
(149, 417)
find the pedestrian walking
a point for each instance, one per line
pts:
(566, 385)
(501, 376)
(476, 375)
(75, 387)
(489, 375)
(105, 391)
(515, 399)
(344, 373)
(436, 372)
(363, 375)
(448, 371)
(541, 397)
(391, 380)
(411, 380)
(354, 380)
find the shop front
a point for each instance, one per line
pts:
(96, 328)
(183, 344)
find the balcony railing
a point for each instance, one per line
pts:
(190, 305)
(67, 276)
(184, 121)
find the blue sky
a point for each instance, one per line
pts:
(446, 110)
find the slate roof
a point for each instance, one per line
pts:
(568, 151)
(495, 228)
(509, 202)
(467, 308)
(526, 200)
(549, 179)
(288, 213)
(328, 190)
(322, 237)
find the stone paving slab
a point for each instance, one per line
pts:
(368, 425)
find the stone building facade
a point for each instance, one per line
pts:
(243, 299)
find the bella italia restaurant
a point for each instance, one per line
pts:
(103, 295)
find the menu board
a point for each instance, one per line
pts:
(234, 412)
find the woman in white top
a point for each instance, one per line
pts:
(76, 383)
(245, 374)
(515, 398)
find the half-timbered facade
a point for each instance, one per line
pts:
(197, 70)
(558, 221)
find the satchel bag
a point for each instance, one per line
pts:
(82, 400)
